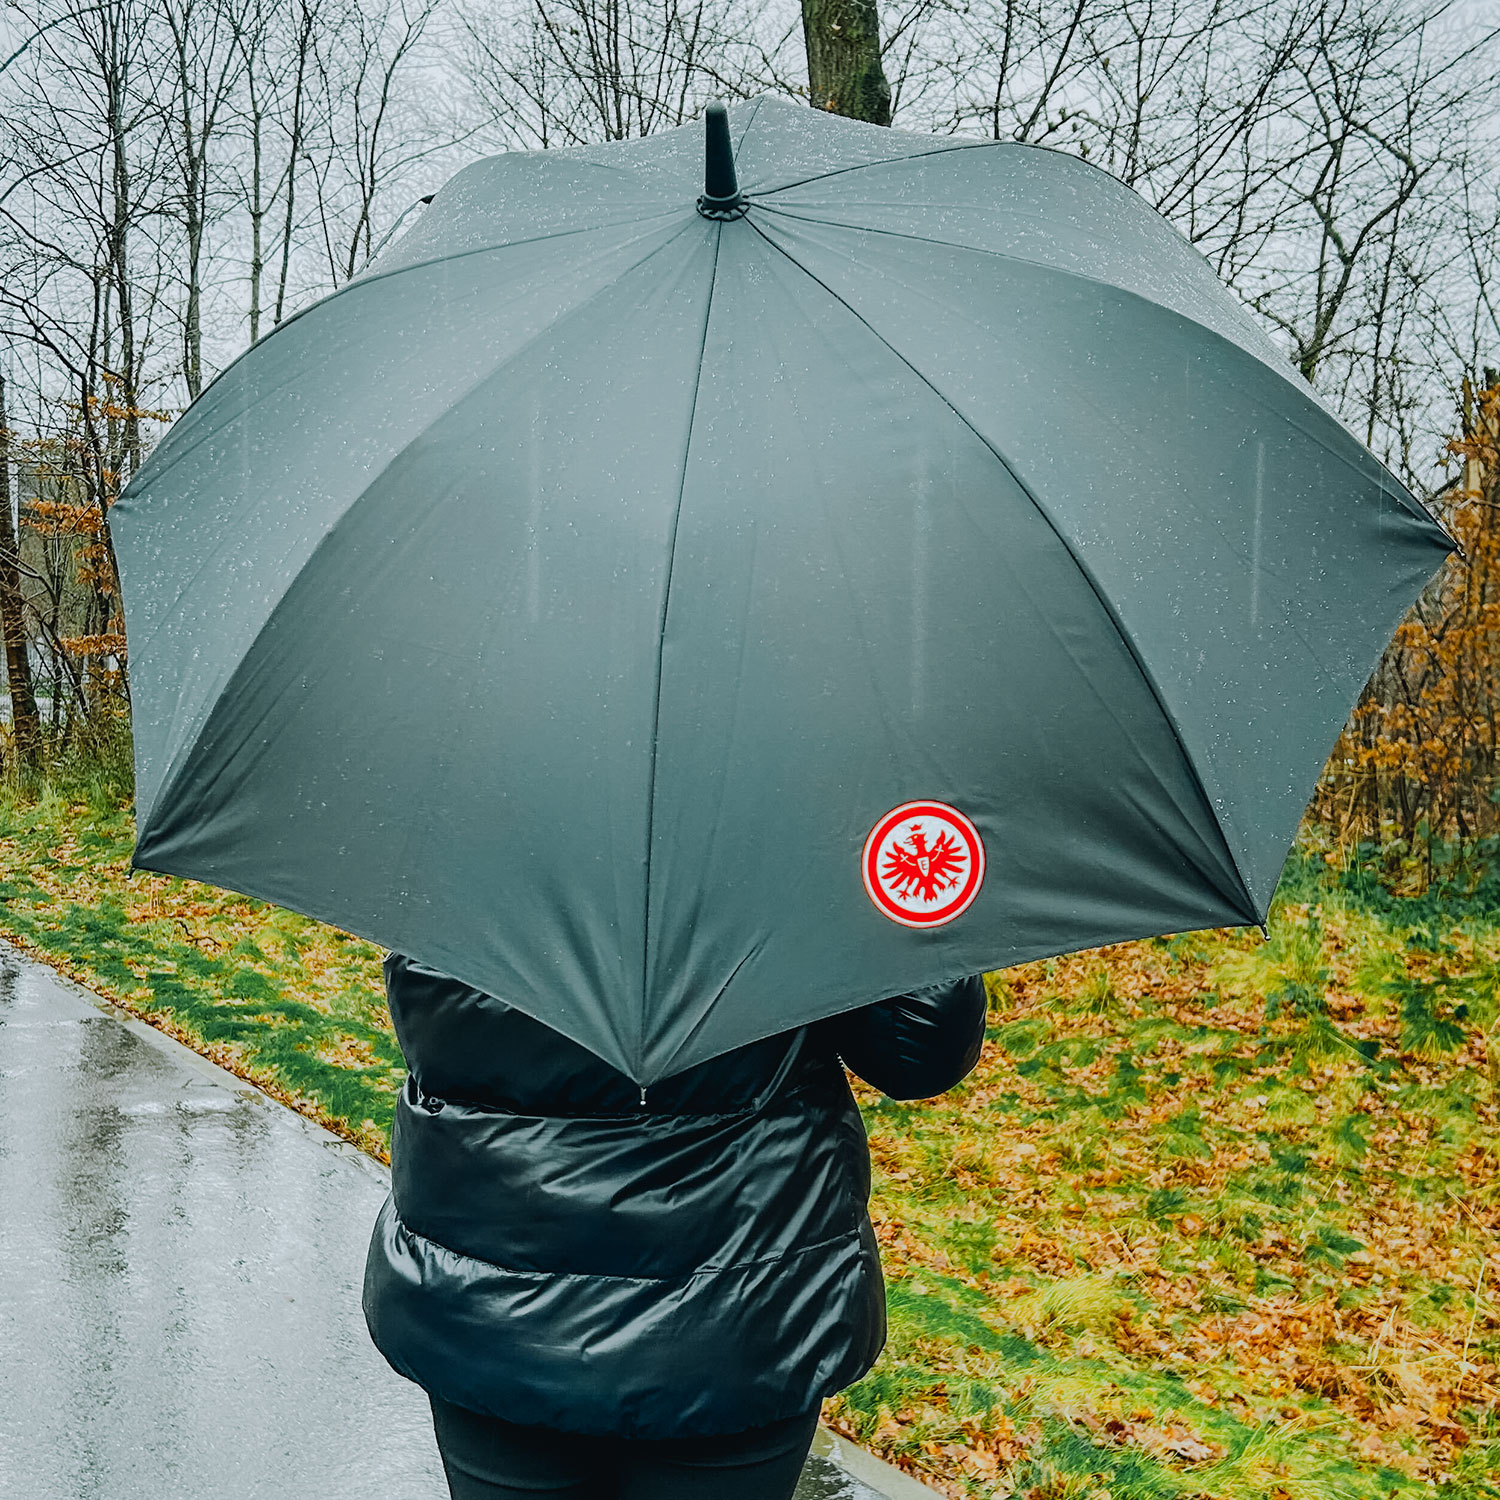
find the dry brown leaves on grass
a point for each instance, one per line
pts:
(1146, 1177)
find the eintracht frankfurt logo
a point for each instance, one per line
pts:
(923, 864)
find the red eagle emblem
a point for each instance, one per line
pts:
(914, 868)
(923, 864)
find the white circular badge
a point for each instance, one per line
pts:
(923, 864)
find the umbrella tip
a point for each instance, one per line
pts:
(722, 198)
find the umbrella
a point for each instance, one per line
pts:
(688, 609)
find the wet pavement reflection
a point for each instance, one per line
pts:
(180, 1260)
(179, 1279)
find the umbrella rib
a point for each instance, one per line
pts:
(661, 634)
(755, 105)
(1279, 365)
(1078, 562)
(1409, 501)
(363, 281)
(164, 617)
(490, 374)
(534, 239)
(885, 161)
(174, 435)
(176, 768)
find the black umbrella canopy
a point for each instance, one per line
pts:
(687, 619)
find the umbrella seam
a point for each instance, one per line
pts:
(1409, 501)
(1406, 501)
(1280, 363)
(885, 161)
(1084, 570)
(661, 637)
(175, 770)
(130, 491)
(707, 1012)
(170, 463)
(755, 105)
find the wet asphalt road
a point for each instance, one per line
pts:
(180, 1261)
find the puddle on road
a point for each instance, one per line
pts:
(822, 1480)
(210, 1104)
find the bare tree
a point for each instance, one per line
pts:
(372, 137)
(254, 185)
(1001, 67)
(567, 72)
(90, 134)
(1324, 157)
(205, 66)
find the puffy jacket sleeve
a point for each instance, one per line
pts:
(917, 1045)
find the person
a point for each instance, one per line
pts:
(636, 1294)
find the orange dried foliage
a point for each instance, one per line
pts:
(109, 643)
(1419, 760)
(62, 518)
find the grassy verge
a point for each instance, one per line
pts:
(297, 1007)
(1214, 1217)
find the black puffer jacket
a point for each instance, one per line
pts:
(559, 1249)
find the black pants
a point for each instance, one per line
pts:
(489, 1459)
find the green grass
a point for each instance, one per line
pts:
(1214, 1217)
(292, 1004)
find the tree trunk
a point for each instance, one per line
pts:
(844, 72)
(25, 721)
(114, 46)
